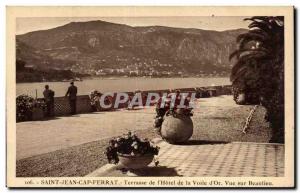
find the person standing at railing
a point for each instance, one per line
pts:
(49, 100)
(72, 93)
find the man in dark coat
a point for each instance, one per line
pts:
(72, 93)
(49, 100)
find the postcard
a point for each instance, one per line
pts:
(152, 97)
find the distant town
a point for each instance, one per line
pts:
(137, 67)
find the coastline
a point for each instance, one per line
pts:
(120, 84)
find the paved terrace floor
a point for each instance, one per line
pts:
(239, 159)
(38, 137)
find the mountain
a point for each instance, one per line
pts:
(36, 58)
(99, 47)
(33, 66)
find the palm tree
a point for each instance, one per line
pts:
(259, 68)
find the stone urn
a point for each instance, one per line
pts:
(135, 161)
(177, 129)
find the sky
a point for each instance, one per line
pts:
(219, 23)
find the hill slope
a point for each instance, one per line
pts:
(98, 47)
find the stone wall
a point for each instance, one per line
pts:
(62, 107)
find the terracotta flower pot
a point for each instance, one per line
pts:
(177, 129)
(135, 161)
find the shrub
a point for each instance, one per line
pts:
(25, 105)
(24, 109)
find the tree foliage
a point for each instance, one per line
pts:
(259, 68)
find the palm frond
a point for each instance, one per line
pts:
(238, 66)
(238, 53)
(233, 54)
(261, 25)
(267, 43)
(241, 72)
(252, 36)
(255, 18)
(244, 42)
(246, 61)
(281, 18)
(253, 56)
(260, 31)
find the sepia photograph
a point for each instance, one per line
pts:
(149, 100)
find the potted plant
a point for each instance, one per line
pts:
(131, 151)
(174, 124)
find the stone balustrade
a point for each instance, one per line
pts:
(62, 107)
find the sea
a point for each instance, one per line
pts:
(119, 85)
